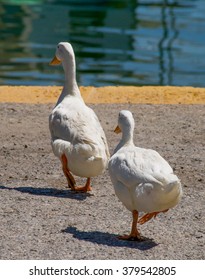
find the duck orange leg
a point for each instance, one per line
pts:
(134, 235)
(149, 216)
(70, 178)
(68, 175)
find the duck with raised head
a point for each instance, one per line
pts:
(77, 137)
(142, 179)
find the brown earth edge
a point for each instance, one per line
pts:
(42, 219)
(109, 94)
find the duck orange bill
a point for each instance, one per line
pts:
(55, 61)
(117, 129)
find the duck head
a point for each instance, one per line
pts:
(125, 122)
(63, 50)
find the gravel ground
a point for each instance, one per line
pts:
(42, 219)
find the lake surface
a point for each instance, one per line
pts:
(116, 42)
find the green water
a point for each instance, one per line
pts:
(121, 42)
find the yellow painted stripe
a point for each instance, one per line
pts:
(110, 94)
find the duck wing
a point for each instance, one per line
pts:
(134, 166)
(79, 126)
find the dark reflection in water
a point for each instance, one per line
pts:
(165, 44)
(117, 42)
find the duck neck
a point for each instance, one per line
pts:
(126, 140)
(70, 85)
(127, 137)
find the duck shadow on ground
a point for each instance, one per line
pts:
(52, 192)
(108, 239)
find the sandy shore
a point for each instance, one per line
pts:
(129, 94)
(42, 219)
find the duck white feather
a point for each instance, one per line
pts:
(142, 179)
(77, 138)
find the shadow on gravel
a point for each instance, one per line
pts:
(49, 192)
(105, 238)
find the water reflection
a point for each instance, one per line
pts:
(116, 42)
(170, 33)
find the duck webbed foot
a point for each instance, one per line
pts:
(134, 235)
(149, 216)
(86, 188)
(131, 237)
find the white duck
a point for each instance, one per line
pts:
(77, 137)
(142, 179)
